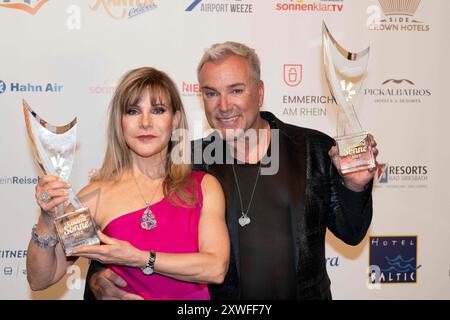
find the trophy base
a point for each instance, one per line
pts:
(355, 153)
(76, 229)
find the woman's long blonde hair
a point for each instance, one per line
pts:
(176, 185)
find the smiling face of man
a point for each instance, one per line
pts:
(231, 95)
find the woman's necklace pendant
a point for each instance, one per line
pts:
(148, 220)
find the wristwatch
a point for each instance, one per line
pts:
(148, 269)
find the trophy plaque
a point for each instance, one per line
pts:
(54, 149)
(345, 72)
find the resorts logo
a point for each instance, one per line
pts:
(122, 9)
(30, 87)
(310, 6)
(397, 91)
(401, 176)
(230, 6)
(399, 15)
(393, 259)
(29, 6)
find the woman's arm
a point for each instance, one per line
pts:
(208, 265)
(47, 263)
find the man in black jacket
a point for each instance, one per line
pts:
(282, 188)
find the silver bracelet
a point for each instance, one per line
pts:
(44, 241)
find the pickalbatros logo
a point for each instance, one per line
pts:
(124, 9)
(398, 91)
(29, 6)
(395, 15)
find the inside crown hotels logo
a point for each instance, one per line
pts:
(228, 6)
(29, 6)
(120, 9)
(307, 5)
(393, 259)
(398, 16)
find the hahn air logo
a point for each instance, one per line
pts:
(401, 176)
(2, 86)
(393, 259)
(123, 9)
(217, 6)
(399, 15)
(29, 6)
(310, 6)
(398, 91)
(14, 87)
(190, 89)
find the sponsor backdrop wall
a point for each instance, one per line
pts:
(65, 58)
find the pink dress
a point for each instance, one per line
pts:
(176, 232)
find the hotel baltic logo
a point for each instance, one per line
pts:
(29, 6)
(399, 15)
(123, 9)
(393, 259)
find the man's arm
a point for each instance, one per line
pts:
(351, 200)
(104, 284)
(351, 212)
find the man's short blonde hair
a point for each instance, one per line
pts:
(221, 50)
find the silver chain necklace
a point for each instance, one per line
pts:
(244, 219)
(148, 220)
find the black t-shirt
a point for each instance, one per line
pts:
(266, 247)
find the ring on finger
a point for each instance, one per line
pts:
(45, 198)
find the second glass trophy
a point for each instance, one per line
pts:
(54, 149)
(345, 72)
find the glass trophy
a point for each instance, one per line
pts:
(54, 150)
(345, 72)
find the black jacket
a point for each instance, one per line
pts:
(318, 200)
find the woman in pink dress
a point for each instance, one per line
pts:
(163, 226)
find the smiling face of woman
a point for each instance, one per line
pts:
(147, 125)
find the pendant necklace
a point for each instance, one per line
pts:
(148, 220)
(245, 219)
